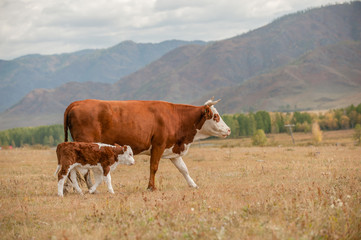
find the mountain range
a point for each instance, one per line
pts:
(306, 60)
(21, 75)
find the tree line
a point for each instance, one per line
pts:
(241, 124)
(246, 124)
(43, 135)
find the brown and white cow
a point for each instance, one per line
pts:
(101, 158)
(159, 129)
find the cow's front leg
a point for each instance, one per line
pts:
(155, 156)
(181, 166)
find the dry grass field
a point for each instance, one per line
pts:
(276, 192)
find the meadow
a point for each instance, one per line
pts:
(281, 191)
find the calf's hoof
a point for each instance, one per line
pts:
(93, 191)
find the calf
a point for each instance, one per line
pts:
(81, 156)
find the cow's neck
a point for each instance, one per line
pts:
(198, 124)
(192, 120)
(200, 136)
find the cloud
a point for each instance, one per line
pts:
(49, 26)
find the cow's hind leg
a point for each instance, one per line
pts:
(179, 163)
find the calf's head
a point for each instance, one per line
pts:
(125, 154)
(214, 124)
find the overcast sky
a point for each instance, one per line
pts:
(58, 26)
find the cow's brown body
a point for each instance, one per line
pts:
(146, 126)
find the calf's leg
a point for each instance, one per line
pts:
(62, 176)
(108, 181)
(73, 178)
(61, 186)
(181, 166)
(88, 180)
(98, 177)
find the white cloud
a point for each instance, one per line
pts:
(51, 26)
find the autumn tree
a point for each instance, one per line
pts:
(316, 133)
(357, 134)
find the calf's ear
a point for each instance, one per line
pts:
(121, 149)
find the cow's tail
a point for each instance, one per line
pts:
(66, 122)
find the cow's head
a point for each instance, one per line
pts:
(125, 155)
(214, 124)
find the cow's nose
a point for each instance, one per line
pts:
(229, 131)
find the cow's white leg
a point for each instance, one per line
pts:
(98, 177)
(74, 181)
(179, 163)
(108, 181)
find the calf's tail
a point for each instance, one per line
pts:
(57, 170)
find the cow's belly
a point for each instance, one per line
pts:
(168, 152)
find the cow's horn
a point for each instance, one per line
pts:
(211, 102)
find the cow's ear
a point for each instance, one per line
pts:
(208, 112)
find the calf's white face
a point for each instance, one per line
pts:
(127, 157)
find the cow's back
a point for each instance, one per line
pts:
(123, 122)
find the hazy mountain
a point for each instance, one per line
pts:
(21, 75)
(280, 63)
(328, 77)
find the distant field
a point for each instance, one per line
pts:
(276, 192)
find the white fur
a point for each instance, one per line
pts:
(127, 157)
(168, 152)
(181, 166)
(62, 180)
(213, 128)
(104, 145)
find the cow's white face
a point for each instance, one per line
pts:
(213, 126)
(127, 157)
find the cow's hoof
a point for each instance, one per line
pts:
(151, 189)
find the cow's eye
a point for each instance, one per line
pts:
(216, 117)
